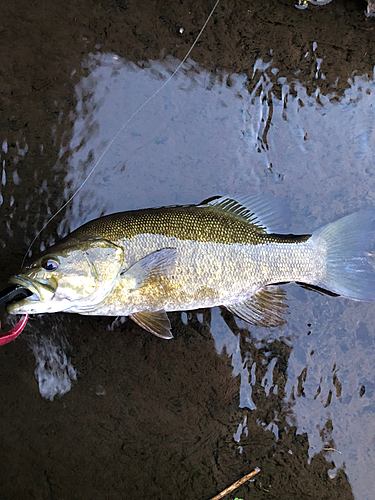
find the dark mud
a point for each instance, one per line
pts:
(160, 420)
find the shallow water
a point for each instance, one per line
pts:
(188, 417)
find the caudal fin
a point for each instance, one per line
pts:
(350, 247)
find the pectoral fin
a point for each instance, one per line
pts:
(155, 322)
(155, 264)
(263, 308)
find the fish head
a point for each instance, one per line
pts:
(75, 275)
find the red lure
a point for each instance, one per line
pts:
(15, 331)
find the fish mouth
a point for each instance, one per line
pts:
(42, 296)
(35, 291)
(13, 293)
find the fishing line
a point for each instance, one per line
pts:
(119, 132)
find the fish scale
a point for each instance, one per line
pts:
(227, 251)
(198, 223)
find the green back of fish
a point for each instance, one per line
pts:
(195, 223)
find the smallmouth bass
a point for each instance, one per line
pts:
(224, 252)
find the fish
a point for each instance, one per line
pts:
(228, 251)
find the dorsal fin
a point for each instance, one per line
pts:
(267, 214)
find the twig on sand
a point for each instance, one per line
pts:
(235, 485)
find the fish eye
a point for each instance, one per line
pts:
(50, 265)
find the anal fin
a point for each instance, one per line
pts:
(263, 308)
(155, 322)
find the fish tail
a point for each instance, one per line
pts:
(350, 255)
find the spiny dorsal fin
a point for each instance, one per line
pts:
(263, 308)
(267, 214)
(155, 322)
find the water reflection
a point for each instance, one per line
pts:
(222, 134)
(54, 371)
(313, 383)
(208, 134)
